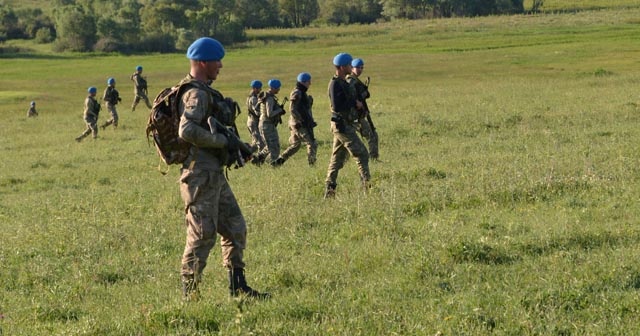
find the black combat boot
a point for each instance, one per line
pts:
(190, 290)
(330, 191)
(238, 285)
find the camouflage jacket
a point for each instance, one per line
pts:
(111, 95)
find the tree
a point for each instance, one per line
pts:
(76, 29)
(299, 13)
(257, 13)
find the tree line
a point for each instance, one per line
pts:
(169, 25)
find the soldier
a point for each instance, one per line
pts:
(210, 205)
(301, 121)
(253, 115)
(111, 98)
(32, 110)
(365, 124)
(344, 116)
(91, 111)
(270, 117)
(139, 88)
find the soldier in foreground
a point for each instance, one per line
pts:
(210, 205)
(140, 89)
(344, 116)
(301, 121)
(90, 115)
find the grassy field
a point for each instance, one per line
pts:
(505, 202)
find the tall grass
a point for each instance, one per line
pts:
(505, 201)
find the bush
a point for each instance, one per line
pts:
(108, 44)
(159, 42)
(44, 35)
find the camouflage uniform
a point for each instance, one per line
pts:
(365, 126)
(344, 118)
(253, 120)
(32, 112)
(301, 124)
(210, 205)
(270, 116)
(140, 90)
(91, 112)
(111, 98)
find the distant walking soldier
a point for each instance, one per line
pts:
(344, 116)
(365, 124)
(270, 117)
(253, 115)
(90, 115)
(301, 121)
(111, 98)
(32, 110)
(140, 88)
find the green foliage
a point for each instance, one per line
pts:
(505, 201)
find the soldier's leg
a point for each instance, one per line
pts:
(136, 100)
(146, 101)
(339, 155)
(201, 196)
(358, 150)
(312, 147)
(94, 128)
(233, 231)
(272, 140)
(294, 145)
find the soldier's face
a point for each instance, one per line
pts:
(213, 69)
(357, 70)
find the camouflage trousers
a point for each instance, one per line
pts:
(114, 116)
(298, 137)
(136, 100)
(270, 136)
(210, 208)
(92, 127)
(370, 135)
(254, 132)
(346, 142)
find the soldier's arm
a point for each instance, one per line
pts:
(194, 106)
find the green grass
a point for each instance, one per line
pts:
(506, 202)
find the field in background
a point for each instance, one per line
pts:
(505, 202)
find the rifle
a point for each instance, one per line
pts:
(278, 119)
(366, 107)
(243, 151)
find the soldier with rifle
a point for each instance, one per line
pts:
(365, 124)
(253, 115)
(271, 112)
(140, 88)
(301, 121)
(344, 106)
(210, 205)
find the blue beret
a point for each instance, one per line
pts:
(205, 49)
(33, 103)
(304, 77)
(256, 84)
(342, 59)
(139, 68)
(358, 62)
(111, 81)
(274, 83)
(92, 89)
